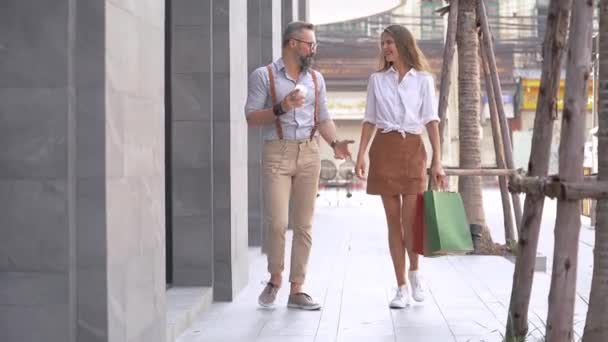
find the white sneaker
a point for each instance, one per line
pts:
(418, 288)
(402, 298)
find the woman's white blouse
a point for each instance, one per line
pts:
(406, 106)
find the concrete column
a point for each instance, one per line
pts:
(135, 178)
(254, 134)
(229, 154)
(272, 33)
(82, 171)
(264, 46)
(303, 10)
(191, 143)
(289, 12)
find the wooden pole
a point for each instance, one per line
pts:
(499, 152)
(448, 62)
(481, 172)
(568, 221)
(555, 187)
(477, 172)
(596, 328)
(504, 126)
(553, 47)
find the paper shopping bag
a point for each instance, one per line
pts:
(418, 230)
(446, 229)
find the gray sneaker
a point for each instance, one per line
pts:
(268, 296)
(302, 301)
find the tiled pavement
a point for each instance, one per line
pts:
(351, 274)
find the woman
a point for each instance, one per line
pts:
(400, 103)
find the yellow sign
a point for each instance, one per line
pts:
(530, 89)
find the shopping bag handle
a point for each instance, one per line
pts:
(432, 185)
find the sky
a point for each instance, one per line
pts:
(329, 11)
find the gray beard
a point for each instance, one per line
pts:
(305, 63)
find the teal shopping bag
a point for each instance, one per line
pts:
(446, 226)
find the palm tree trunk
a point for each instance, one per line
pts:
(468, 107)
(568, 221)
(596, 327)
(446, 70)
(553, 47)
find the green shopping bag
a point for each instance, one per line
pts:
(446, 226)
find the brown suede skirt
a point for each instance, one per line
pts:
(397, 164)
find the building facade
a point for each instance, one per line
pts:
(125, 162)
(349, 54)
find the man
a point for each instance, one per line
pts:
(288, 99)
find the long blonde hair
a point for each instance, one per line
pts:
(409, 52)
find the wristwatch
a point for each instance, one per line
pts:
(333, 143)
(278, 110)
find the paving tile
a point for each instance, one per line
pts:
(350, 273)
(430, 334)
(292, 323)
(283, 338)
(494, 337)
(377, 338)
(419, 316)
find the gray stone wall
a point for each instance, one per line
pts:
(81, 171)
(192, 141)
(209, 145)
(230, 220)
(290, 11)
(264, 46)
(82, 164)
(87, 147)
(303, 10)
(35, 270)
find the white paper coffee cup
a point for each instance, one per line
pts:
(302, 90)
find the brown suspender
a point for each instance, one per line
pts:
(316, 118)
(273, 96)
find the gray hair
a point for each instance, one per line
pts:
(293, 28)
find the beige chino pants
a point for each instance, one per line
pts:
(291, 174)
